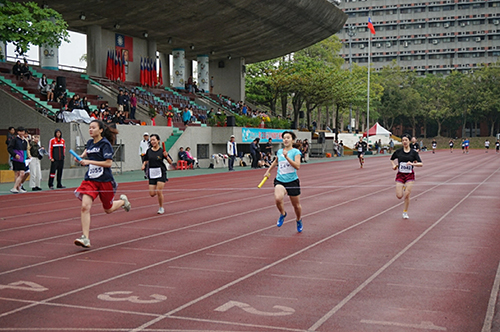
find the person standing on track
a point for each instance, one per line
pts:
(57, 151)
(451, 144)
(487, 145)
(17, 149)
(434, 145)
(157, 173)
(407, 159)
(287, 180)
(466, 145)
(99, 179)
(361, 146)
(143, 147)
(414, 145)
(497, 146)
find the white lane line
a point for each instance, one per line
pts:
(308, 278)
(428, 287)
(106, 262)
(19, 255)
(237, 256)
(490, 313)
(143, 228)
(444, 271)
(421, 326)
(332, 263)
(52, 277)
(146, 249)
(210, 232)
(339, 306)
(197, 269)
(278, 297)
(157, 286)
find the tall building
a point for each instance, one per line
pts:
(425, 36)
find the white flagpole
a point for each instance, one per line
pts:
(368, 93)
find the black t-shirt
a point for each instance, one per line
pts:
(414, 146)
(155, 160)
(361, 146)
(100, 151)
(405, 157)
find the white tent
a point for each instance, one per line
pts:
(377, 129)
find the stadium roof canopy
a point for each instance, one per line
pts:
(253, 29)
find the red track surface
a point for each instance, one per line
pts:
(215, 261)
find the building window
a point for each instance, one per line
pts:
(434, 9)
(417, 41)
(419, 10)
(463, 39)
(463, 6)
(463, 55)
(495, 53)
(406, 58)
(447, 8)
(478, 5)
(494, 37)
(494, 4)
(434, 56)
(477, 22)
(351, 14)
(405, 10)
(447, 40)
(203, 151)
(448, 56)
(378, 13)
(434, 24)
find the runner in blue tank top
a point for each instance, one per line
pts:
(287, 181)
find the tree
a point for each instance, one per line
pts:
(26, 23)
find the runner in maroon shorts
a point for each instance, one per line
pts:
(99, 179)
(407, 159)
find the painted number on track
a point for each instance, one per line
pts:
(284, 311)
(25, 285)
(108, 296)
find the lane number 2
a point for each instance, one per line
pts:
(284, 311)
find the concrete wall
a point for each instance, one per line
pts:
(229, 80)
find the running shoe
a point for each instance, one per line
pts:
(14, 191)
(405, 215)
(22, 190)
(83, 241)
(127, 206)
(299, 226)
(161, 211)
(281, 220)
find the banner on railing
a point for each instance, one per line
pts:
(249, 134)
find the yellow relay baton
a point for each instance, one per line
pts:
(263, 181)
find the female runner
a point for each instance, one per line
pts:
(451, 143)
(287, 181)
(157, 170)
(407, 159)
(99, 179)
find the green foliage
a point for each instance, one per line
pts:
(26, 23)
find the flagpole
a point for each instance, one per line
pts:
(368, 94)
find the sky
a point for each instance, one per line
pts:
(69, 53)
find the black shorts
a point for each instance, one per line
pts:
(163, 179)
(360, 154)
(292, 188)
(17, 166)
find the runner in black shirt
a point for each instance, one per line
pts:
(407, 159)
(361, 146)
(414, 145)
(157, 173)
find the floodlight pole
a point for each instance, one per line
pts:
(351, 32)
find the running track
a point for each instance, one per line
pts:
(215, 261)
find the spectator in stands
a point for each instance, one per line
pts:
(35, 169)
(96, 115)
(57, 152)
(120, 100)
(133, 106)
(16, 70)
(25, 71)
(119, 117)
(126, 105)
(190, 159)
(195, 87)
(190, 84)
(255, 152)
(42, 83)
(10, 135)
(244, 110)
(211, 85)
(186, 116)
(103, 107)
(107, 118)
(85, 104)
(305, 149)
(49, 90)
(74, 103)
(18, 147)
(265, 161)
(269, 146)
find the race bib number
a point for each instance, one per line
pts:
(405, 168)
(95, 171)
(285, 167)
(155, 173)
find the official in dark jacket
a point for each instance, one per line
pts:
(57, 151)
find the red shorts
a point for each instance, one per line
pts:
(405, 177)
(105, 191)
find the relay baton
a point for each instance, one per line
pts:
(263, 181)
(163, 146)
(75, 155)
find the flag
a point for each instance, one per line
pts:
(122, 72)
(115, 68)
(107, 66)
(150, 71)
(160, 75)
(125, 43)
(370, 25)
(142, 73)
(155, 74)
